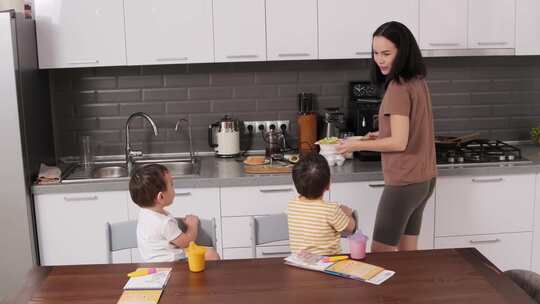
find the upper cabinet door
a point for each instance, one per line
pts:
(491, 23)
(291, 29)
(239, 30)
(443, 24)
(169, 31)
(346, 26)
(80, 33)
(527, 27)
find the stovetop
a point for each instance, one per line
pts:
(481, 152)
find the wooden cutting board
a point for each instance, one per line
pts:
(267, 169)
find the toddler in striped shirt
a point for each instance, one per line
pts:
(316, 225)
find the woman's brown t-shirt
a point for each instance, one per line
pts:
(417, 163)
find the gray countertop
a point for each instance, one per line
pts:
(217, 172)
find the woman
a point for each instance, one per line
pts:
(405, 138)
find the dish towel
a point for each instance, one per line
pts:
(49, 174)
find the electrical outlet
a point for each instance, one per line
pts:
(253, 124)
(283, 122)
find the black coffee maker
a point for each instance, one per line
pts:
(363, 117)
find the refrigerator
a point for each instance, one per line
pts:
(26, 140)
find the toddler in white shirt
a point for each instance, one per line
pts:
(159, 237)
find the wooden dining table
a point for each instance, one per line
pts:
(426, 276)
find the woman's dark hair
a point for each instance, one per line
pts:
(146, 182)
(311, 175)
(408, 63)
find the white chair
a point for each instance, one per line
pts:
(267, 229)
(275, 227)
(123, 235)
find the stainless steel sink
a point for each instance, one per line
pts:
(177, 167)
(109, 172)
(114, 170)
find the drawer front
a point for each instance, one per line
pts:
(506, 251)
(272, 251)
(237, 253)
(262, 200)
(484, 205)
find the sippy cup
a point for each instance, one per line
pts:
(357, 245)
(195, 255)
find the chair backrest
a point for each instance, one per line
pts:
(266, 229)
(123, 235)
(275, 227)
(207, 231)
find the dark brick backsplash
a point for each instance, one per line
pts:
(496, 96)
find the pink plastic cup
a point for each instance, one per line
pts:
(357, 245)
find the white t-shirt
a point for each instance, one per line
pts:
(154, 233)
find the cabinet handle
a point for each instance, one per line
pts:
(493, 43)
(484, 241)
(183, 193)
(487, 180)
(362, 53)
(443, 44)
(80, 198)
(275, 253)
(84, 62)
(173, 59)
(241, 56)
(293, 55)
(376, 185)
(276, 190)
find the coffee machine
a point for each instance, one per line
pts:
(333, 123)
(363, 117)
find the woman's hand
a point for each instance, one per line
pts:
(345, 146)
(372, 135)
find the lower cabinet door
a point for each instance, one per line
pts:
(71, 227)
(237, 253)
(507, 251)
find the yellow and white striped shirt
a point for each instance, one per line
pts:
(315, 225)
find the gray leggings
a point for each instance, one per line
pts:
(400, 211)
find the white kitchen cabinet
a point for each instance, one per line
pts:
(71, 227)
(239, 205)
(492, 213)
(202, 202)
(364, 197)
(536, 233)
(491, 24)
(507, 251)
(346, 26)
(527, 27)
(484, 204)
(80, 33)
(169, 31)
(291, 29)
(443, 24)
(239, 30)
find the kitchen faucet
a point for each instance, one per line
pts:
(130, 154)
(177, 128)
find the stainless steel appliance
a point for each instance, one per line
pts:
(333, 123)
(363, 117)
(224, 137)
(364, 106)
(26, 132)
(480, 152)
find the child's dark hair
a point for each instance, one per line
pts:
(311, 175)
(408, 63)
(146, 182)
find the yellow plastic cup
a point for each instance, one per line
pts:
(196, 261)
